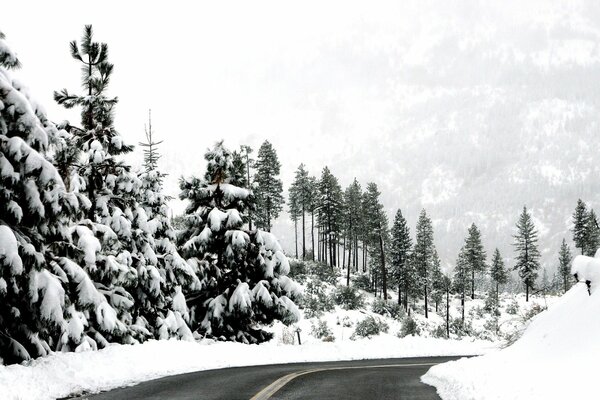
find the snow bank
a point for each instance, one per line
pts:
(62, 374)
(556, 358)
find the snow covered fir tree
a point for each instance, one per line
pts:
(36, 313)
(242, 272)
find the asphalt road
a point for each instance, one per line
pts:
(366, 379)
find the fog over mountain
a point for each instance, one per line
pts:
(467, 109)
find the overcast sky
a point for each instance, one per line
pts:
(344, 84)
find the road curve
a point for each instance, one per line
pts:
(397, 378)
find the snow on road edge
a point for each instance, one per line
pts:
(64, 374)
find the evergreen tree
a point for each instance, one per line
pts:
(312, 201)
(400, 247)
(461, 279)
(302, 187)
(329, 215)
(118, 249)
(46, 299)
(475, 255)
(245, 152)
(580, 219)
(498, 273)
(352, 211)
(437, 281)
(242, 272)
(528, 254)
(591, 241)
(423, 253)
(269, 188)
(564, 265)
(377, 229)
(294, 211)
(176, 275)
(239, 169)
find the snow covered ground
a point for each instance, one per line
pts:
(556, 358)
(62, 374)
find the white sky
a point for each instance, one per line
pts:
(352, 85)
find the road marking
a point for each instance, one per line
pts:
(270, 390)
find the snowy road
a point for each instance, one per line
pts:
(365, 379)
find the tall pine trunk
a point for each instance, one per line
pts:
(448, 312)
(303, 233)
(312, 233)
(296, 235)
(473, 284)
(383, 274)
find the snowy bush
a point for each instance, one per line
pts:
(348, 298)
(320, 329)
(460, 328)
(346, 322)
(298, 270)
(491, 305)
(439, 332)
(512, 307)
(362, 282)
(316, 301)
(532, 311)
(368, 327)
(409, 327)
(387, 308)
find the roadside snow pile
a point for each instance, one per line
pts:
(554, 359)
(64, 374)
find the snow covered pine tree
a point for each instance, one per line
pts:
(243, 273)
(176, 274)
(118, 249)
(36, 283)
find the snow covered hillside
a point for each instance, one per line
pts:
(554, 359)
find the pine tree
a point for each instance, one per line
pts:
(242, 272)
(461, 279)
(245, 152)
(46, 299)
(303, 192)
(591, 241)
(580, 219)
(176, 275)
(423, 253)
(400, 247)
(352, 200)
(498, 273)
(118, 249)
(312, 201)
(475, 255)
(377, 228)
(329, 215)
(528, 255)
(437, 281)
(294, 211)
(269, 188)
(447, 285)
(564, 265)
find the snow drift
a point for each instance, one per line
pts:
(555, 358)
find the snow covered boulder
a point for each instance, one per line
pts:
(587, 269)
